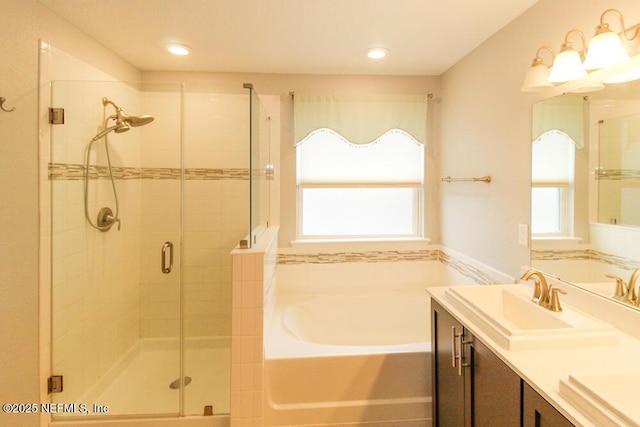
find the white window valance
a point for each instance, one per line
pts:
(360, 119)
(563, 113)
(325, 157)
(553, 157)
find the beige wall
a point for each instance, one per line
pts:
(486, 129)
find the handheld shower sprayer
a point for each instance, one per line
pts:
(123, 123)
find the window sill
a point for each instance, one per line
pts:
(556, 243)
(568, 239)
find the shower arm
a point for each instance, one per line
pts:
(106, 101)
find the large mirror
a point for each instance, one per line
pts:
(585, 192)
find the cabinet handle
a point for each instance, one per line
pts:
(453, 346)
(459, 356)
(457, 343)
(456, 350)
(169, 246)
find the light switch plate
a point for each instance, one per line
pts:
(523, 235)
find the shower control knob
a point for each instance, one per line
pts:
(106, 219)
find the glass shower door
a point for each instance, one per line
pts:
(216, 217)
(115, 250)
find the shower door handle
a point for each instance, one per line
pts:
(168, 246)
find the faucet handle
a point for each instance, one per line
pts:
(621, 287)
(554, 299)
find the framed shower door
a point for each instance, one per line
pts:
(116, 294)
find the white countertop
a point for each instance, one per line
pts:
(543, 369)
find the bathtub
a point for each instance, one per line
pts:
(352, 358)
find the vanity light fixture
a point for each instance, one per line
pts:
(178, 49)
(567, 65)
(537, 77)
(377, 53)
(605, 48)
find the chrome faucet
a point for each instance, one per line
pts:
(541, 289)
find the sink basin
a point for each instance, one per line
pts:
(606, 398)
(507, 314)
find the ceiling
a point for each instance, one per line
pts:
(423, 37)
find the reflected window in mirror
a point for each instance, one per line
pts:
(553, 171)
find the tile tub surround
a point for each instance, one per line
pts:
(254, 273)
(459, 269)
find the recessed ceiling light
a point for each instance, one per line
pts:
(377, 53)
(178, 49)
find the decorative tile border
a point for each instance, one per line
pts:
(369, 256)
(466, 269)
(617, 174)
(459, 264)
(585, 255)
(64, 171)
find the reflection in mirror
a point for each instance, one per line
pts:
(585, 224)
(618, 171)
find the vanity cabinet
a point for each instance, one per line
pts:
(471, 385)
(537, 412)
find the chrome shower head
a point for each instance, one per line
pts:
(134, 121)
(123, 118)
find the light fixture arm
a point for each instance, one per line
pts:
(538, 59)
(568, 45)
(604, 27)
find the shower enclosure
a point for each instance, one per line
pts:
(141, 308)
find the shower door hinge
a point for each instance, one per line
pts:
(54, 384)
(56, 116)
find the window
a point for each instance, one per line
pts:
(348, 190)
(359, 166)
(553, 159)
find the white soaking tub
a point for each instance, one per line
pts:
(353, 358)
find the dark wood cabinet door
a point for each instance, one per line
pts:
(448, 385)
(495, 390)
(537, 412)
